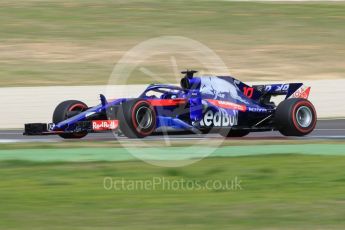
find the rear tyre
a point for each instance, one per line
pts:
(137, 118)
(295, 117)
(62, 112)
(233, 133)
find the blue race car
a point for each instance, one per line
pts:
(220, 104)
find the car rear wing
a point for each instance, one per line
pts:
(290, 90)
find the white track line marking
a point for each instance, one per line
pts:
(4, 141)
(5, 133)
(329, 129)
(325, 137)
(331, 119)
(11, 133)
(8, 141)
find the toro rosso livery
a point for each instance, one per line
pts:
(201, 105)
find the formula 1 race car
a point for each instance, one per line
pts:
(200, 105)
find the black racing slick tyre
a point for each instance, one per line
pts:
(137, 118)
(295, 117)
(233, 133)
(62, 112)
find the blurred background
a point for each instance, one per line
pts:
(78, 42)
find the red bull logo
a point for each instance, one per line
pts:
(218, 119)
(100, 125)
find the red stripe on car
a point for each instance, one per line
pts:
(167, 102)
(227, 105)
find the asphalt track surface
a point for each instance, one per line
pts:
(325, 129)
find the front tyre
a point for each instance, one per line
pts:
(137, 118)
(63, 111)
(295, 117)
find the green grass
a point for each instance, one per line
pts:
(278, 192)
(71, 144)
(181, 154)
(78, 42)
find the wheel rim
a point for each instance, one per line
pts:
(304, 116)
(77, 107)
(143, 117)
